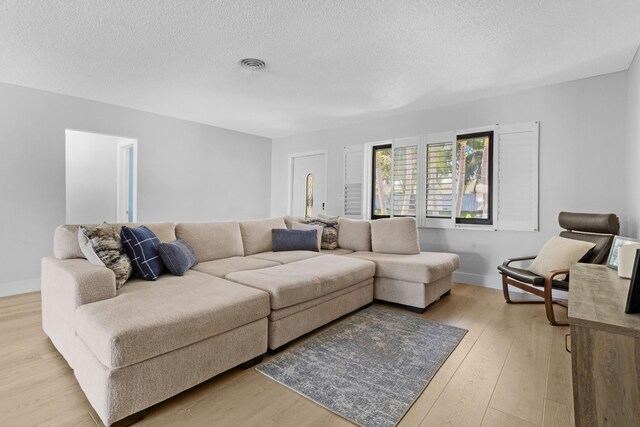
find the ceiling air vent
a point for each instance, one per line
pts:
(253, 64)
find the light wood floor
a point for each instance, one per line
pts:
(511, 369)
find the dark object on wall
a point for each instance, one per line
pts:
(633, 300)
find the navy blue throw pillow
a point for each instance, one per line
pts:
(294, 240)
(142, 247)
(177, 256)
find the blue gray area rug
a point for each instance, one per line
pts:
(369, 368)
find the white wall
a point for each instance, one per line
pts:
(91, 173)
(186, 172)
(633, 146)
(582, 162)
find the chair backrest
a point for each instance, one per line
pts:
(595, 228)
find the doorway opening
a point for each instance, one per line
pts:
(101, 178)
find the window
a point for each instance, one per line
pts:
(308, 212)
(474, 169)
(381, 180)
(484, 178)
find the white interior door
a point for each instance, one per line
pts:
(308, 184)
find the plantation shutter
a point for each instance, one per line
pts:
(404, 176)
(518, 146)
(353, 181)
(439, 178)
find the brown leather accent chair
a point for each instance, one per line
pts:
(596, 228)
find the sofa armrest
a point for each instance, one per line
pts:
(77, 281)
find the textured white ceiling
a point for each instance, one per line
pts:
(329, 62)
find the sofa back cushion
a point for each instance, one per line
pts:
(354, 234)
(256, 235)
(65, 237)
(212, 240)
(395, 236)
(290, 220)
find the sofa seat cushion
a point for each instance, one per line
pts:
(222, 267)
(285, 257)
(147, 319)
(297, 308)
(424, 267)
(338, 251)
(300, 281)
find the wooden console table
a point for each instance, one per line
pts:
(605, 349)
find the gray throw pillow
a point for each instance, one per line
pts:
(102, 246)
(177, 256)
(294, 240)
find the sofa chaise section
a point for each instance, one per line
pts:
(309, 293)
(415, 280)
(147, 319)
(156, 339)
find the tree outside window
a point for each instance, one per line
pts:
(474, 177)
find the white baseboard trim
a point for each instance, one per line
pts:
(19, 287)
(494, 282)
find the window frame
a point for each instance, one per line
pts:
(372, 176)
(477, 221)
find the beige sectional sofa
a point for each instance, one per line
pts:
(133, 347)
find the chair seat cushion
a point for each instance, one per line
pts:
(222, 267)
(526, 276)
(147, 319)
(424, 267)
(305, 280)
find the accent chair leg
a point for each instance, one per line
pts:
(548, 305)
(505, 288)
(253, 362)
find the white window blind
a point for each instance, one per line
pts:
(353, 181)
(439, 180)
(517, 184)
(405, 176)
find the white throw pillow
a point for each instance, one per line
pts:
(395, 236)
(318, 228)
(559, 253)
